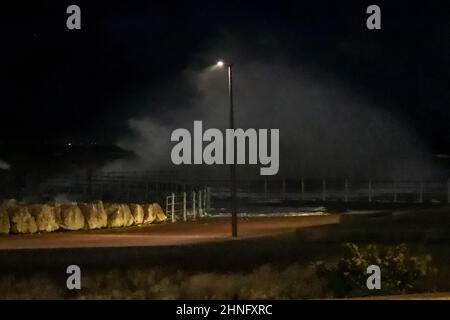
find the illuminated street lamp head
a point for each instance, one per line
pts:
(220, 63)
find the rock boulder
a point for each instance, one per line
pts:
(149, 213)
(71, 217)
(21, 220)
(45, 217)
(138, 213)
(94, 215)
(4, 221)
(119, 215)
(160, 215)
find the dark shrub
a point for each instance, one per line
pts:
(401, 272)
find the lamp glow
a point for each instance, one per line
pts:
(220, 63)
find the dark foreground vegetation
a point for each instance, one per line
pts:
(317, 262)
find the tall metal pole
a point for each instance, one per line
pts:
(233, 165)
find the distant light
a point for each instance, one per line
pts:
(442, 156)
(69, 144)
(4, 165)
(220, 63)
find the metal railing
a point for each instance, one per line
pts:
(339, 190)
(186, 206)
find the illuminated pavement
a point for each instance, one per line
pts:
(168, 234)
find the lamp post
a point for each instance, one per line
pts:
(233, 165)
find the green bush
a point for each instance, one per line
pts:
(401, 272)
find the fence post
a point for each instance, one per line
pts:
(370, 190)
(102, 190)
(324, 190)
(346, 190)
(204, 202)
(193, 206)
(208, 200)
(89, 184)
(173, 207)
(303, 189)
(200, 210)
(395, 191)
(128, 186)
(167, 204)
(265, 188)
(184, 206)
(421, 192)
(448, 190)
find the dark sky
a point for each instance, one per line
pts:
(59, 85)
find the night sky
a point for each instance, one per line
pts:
(127, 61)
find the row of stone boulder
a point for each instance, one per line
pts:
(17, 217)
